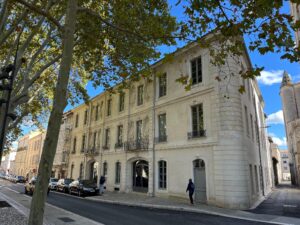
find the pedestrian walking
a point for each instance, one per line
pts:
(101, 186)
(191, 188)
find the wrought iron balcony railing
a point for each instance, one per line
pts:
(141, 144)
(196, 134)
(92, 151)
(105, 147)
(119, 145)
(160, 139)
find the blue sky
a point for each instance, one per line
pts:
(269, 81)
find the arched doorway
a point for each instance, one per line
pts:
(93, 171)
(140, 172)
(199, 180)
(275, 171)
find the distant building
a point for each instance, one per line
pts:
(285, 166)
(276, 159)
(61, 159)
(290, 96)
(155, 135)
(7, 163)
(29, 153)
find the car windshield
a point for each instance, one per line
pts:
(68, 181)
(53, 180)
(88, 183)
(20, 177)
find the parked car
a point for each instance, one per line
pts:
(83, 187)
(63, 185)
(53, 183)
(30, 186)
(20, 179)
(2, 175)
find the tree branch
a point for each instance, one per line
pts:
(41, 12)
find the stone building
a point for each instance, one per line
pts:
(28, 154)
(276, 160)
(155, 135)
(290, 97)
(7, 163)
(285, 165)
(60, 163)
(21, 156)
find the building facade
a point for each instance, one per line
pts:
(155, 135)
(7, 163)
(290, 97)
(295, 12)
(285, 165)
(28, 154)
(277, 164)
(60, 163)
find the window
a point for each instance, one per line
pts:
(97, 113)
(107, 137)
(140, 95)
(197, 121)
(81, 171)
(85, 117)
(251, 179)
(162, 176)
(120, 135)
(251, 124)
(94, 139)
(74, 145)
(162, 85)
(196, 68)
(121, 101)
(256, 179)
(108, 107)
(104, 169)
(139, 130)
(246, 120)
(72, 168)
(83, 143)
(118, 173)
(76, 120)
(284, 161)
(162, 129)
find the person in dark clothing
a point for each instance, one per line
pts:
(101, 186)
(191, 189)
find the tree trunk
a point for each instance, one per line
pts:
(59, 103)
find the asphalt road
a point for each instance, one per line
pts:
(111, 214)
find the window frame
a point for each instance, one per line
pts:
(109, 103)
(162, 174)
(162, 89)
(198, 78)
(118, 173)
(121, 101)
(162, 137)
(140, 95)
(199, 118)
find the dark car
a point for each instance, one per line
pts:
(20, 179)
(30, 186)
(83, 188)
(63, 185)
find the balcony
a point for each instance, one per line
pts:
(105, 147)
(92, 151)
(196, 134)
(161, 139)
(135, 145)
(119, 145)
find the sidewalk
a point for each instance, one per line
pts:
(173, 203)
(19, 212)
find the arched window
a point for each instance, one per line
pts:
(81, 171)
(162, 174)
(118, 173)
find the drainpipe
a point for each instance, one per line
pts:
(259, 151)
(153, 137)
(124, 147)
(103, 131)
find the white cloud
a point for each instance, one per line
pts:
(275, 118)
(270, 77)
(279, 141)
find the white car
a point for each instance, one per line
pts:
(53, 183)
